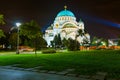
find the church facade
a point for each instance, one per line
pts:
(66, 25)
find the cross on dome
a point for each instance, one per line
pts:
(65, 7)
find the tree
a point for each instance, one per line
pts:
(13, 40)
(80, 32)
(73, 45)
(94, 41)
(32, 30)
(2, 22)
(57, 41)
(4, 40)
(2, 33)
(86, 41)
(42, 43)
(64, 42)
(119, 41)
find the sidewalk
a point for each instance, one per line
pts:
(10, 74)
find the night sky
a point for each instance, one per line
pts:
(101, 17)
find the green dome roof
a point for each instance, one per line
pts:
(65, 13)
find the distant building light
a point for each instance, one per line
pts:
(18, 24)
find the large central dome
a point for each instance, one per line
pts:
(65, 13)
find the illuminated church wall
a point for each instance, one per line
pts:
(66, 25)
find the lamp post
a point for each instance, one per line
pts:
(18, 25)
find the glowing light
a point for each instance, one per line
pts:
(103, 43)
(18, 24)
(105, 22)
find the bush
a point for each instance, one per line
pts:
(73, 45)
(48, 51)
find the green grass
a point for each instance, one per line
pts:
(85, 62)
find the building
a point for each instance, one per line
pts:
(66, 25)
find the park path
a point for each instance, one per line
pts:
(10, 74)
(15, 73)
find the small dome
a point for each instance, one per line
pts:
(65, 13)
(80, 21)
(50, 28)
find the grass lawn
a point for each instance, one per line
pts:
(84, 62)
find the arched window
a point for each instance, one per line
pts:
(62, 18)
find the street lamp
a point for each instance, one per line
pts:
(18, 25)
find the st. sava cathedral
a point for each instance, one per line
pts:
(66, 25)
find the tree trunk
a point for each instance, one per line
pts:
(35, 45)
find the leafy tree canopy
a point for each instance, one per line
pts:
(30, 29)
(2, 22)
(13, 40)
(73, 45)
(57, 43)
(1, 33)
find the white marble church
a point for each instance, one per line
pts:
(66, 25)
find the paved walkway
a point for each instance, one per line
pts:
(9, 74)
(12, 72)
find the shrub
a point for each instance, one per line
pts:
(73, 45)
(49, 51)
